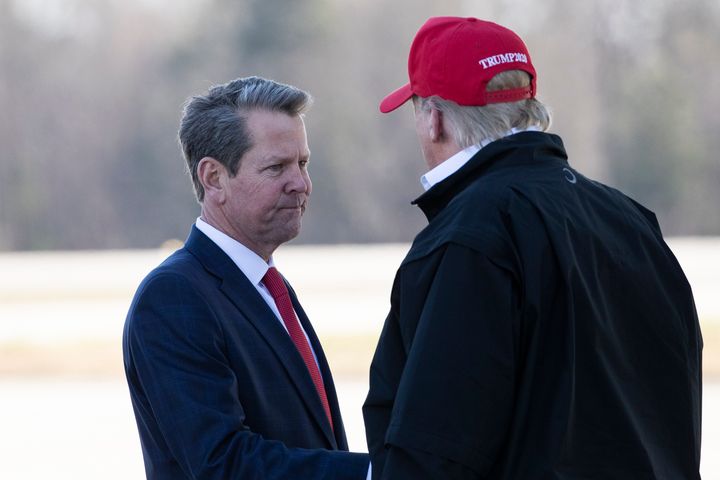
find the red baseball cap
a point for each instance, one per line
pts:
(455, 58)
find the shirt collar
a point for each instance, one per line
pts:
(249, 262)
(454, 163)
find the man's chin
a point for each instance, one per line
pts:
(291, 229)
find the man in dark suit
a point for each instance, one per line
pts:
(227, 377)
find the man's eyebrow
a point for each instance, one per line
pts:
(283, 158)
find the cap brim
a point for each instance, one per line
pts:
(396, 98)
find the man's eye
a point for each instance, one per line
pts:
(304, 163)
(275, 168)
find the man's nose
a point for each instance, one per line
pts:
(299, 180)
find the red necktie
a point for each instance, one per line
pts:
(276, 286)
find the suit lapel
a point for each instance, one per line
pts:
(242, 293)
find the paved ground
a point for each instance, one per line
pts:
(84, 430)
(61, 328)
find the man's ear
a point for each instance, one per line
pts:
(211, 174)
(436, 122)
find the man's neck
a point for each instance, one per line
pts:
(222, 225)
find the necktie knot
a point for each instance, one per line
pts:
(273, 281)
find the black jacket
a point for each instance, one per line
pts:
(540, 328)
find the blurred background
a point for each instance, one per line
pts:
(93, 190)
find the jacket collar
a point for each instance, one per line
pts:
(496, 154)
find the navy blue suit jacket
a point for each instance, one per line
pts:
(218, 388)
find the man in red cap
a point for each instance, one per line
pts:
(540, 327)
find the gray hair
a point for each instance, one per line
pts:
(215, 125)
(470, 125)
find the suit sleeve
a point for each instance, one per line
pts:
(183, 392)
(455, 395)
